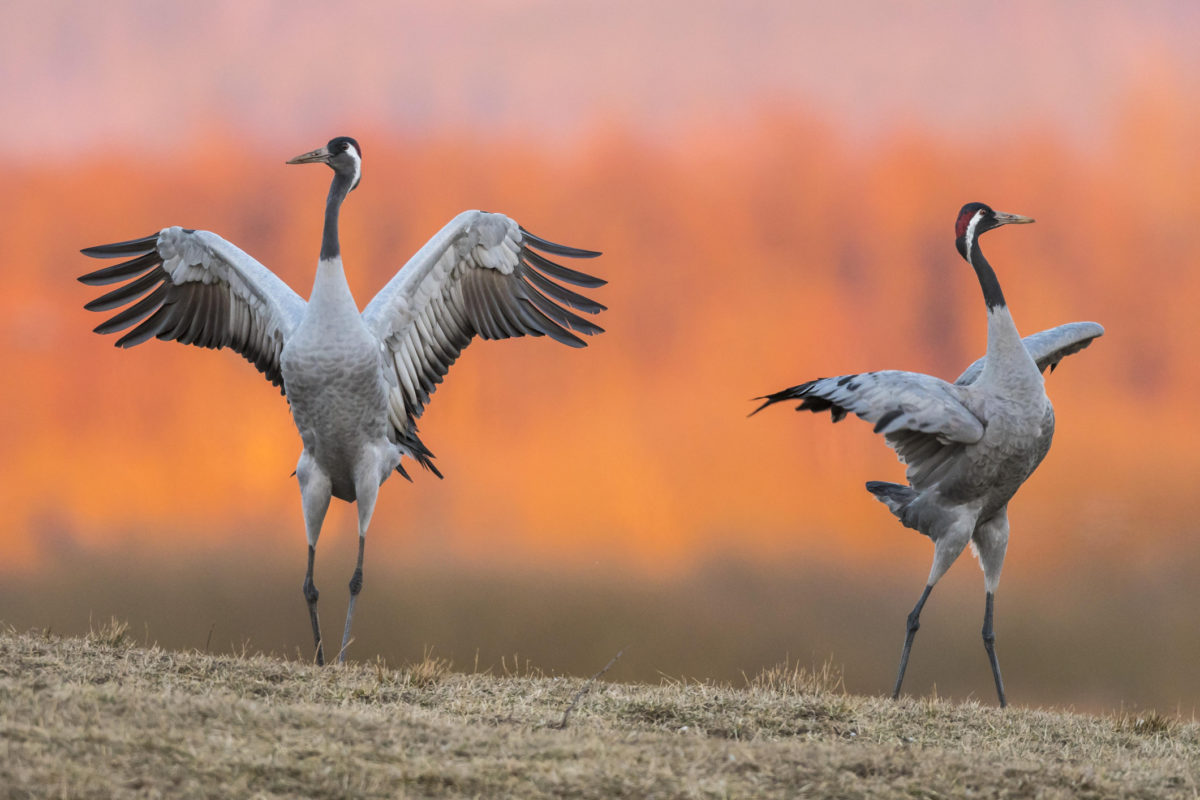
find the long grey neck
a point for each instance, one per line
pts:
(331, 296)
(987, 278)
(330, 247)
(1006, 353)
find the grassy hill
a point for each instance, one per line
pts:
(101, 717)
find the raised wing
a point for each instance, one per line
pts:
(196, 288)
(481, 274)
(1047, 347)
(921, 417)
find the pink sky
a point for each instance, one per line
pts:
(141, 73)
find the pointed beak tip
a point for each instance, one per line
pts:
(1014, 219)
(319, 156)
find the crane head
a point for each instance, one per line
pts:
(975, 219)
(342, 154)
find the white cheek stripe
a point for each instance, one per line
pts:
(969, 236)
(352, 151)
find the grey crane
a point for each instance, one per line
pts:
(968, 445)
(356, 383)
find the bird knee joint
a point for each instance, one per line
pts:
(914, 623)
(356, 582)
(310, 592)
(989, 638)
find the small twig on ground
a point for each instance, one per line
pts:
(208, 641)
(587, 687)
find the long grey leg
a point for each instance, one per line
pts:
(949, 540)
(310, 596)
(989, 644)
(366, 488)
(315, 492)
(914, 625)
(355, 588)
(991, 542)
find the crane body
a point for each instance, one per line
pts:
(355, 382)
(968, 445)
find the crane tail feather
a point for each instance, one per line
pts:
(413, 447)
(900, 501)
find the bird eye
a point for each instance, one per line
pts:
(345, 146)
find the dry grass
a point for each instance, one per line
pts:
(100, 716)
(791, 678)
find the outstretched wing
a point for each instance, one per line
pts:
(1047, 347)
(481, 274)
(196, 288)
(921, 417)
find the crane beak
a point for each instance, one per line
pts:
(318, 156)
(1011, 219)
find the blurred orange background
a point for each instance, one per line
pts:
(773, 186)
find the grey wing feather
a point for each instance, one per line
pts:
(1047, 347)
(196, 288)
(480, 275)
(924, 419)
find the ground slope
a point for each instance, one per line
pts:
(101, 717)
